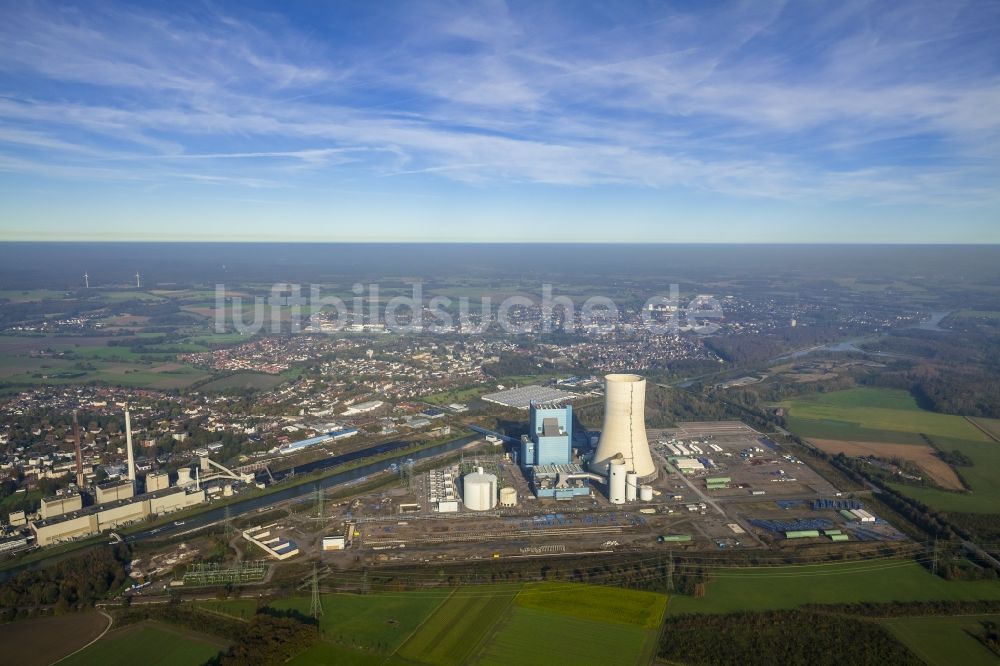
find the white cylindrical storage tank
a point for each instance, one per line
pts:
(646, 493)
(631, 486)
(508, 496)
(183, 476)
(480, 490)
(616, 482)
(624, 431)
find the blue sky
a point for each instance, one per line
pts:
(608, 121)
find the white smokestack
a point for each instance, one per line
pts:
(128, 445)
(624, 431)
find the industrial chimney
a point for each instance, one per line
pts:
(128, 445)
(79, 453)
(624, 431)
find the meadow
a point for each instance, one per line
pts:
(782, 587)
(378, 623)
(591, 602)
(242, 609)
(869, 414)
(325, 654)
(244, 380)
(943, 641)
(531, 637)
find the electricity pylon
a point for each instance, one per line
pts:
(317, 604)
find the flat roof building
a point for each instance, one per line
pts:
(522, 397)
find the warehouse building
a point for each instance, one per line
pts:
(521, 398)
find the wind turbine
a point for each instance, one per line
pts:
(86, 281)
(137, 279)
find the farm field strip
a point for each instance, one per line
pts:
(733, 590)
(452, 633)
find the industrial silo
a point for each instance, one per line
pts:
(616, 481)
(646, 493)
(508, 496)
(480, 490)
(624, 431)
(631, 486)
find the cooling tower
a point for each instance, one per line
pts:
(624, 431)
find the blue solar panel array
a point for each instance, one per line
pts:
(836, 504)
(794, 525)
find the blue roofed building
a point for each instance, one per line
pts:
(550, 436)
(547, 453)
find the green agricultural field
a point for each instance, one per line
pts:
(243, 609)
(594, 602)
(867, 414)
(120, 296)
(977, 314)
(768, 588)
(530, 636)
(125, 354)
(150, 644)
(217, 339)
(944, 641)
(244, 380)
(452, 634)
(327, 654)
(166, 376)
(31, 295)
(377, 622)
(460, 395)
(992, 426)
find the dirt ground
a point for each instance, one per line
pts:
(923, 456)
(31, 642)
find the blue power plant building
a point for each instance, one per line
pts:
(546, 453)
(550, 438)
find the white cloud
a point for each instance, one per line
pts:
(482, 94)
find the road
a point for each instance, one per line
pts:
(697, 491)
